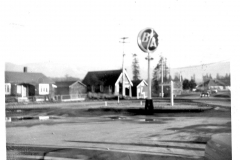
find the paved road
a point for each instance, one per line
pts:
(24, 152)
(104, 137)
(178, 137)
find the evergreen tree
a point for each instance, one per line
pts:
(210, 76)
(192, 84)
(155, 80)
(186, 84)
(218, 76)
(170, 78)
(135, 68)
(157, 76)
(176, 77)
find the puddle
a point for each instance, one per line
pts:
(148, 120)
(116, 117)
(18, 111)
(11, 119)
(212, 127)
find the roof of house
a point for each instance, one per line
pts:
(212, 82)
(102, 77)
(227, 82)
(67, 83)
(136, 82)
(26, 77)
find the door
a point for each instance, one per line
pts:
(24, 91)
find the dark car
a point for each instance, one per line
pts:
(205, 94)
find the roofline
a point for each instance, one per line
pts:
(78, 82)
(126, 76)
(143, 82)
(105, 70)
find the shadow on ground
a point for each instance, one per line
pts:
(205, 128)
(142, 144)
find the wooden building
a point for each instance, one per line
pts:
(140, 89)
(70, 88)
(109, 82)
(26, 84)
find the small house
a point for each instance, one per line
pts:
(109, 82)
(70, 88)
(212, 84)
(26, 84)
(139, 89)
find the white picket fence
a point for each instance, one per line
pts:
(71, 97)
(63, 98)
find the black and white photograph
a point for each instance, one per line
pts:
(119, 80)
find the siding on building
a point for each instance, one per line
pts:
(70, 87)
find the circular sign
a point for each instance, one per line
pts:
(148, 40)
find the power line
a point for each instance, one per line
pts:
(196, 66)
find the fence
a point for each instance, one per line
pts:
(47, 98)
(71, 97)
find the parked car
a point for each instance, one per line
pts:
(205, 94)
(214, 91)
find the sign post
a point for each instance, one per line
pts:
(171, 91)
(148, 43)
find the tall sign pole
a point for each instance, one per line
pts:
(148, 42)
(123, 87)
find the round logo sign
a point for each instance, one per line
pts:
(148, 40)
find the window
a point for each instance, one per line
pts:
(43, 89)
(92, 88)
(101, 88)
(110, 88)
(8, 88)
(19, 89)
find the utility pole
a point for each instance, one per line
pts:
(162, 77)
(180, 73)
(123, 87)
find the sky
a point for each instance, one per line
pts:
(88, 33)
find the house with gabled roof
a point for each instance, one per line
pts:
(70, 88)
(25, 84)
(212, 84)
(139, 89)
(109, 81)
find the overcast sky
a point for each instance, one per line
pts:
(87, 33)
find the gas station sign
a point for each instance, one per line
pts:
(148, 40)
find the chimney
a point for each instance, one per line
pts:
(25, 69)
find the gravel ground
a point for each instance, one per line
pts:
(123, 127)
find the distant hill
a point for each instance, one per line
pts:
(221, 68)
